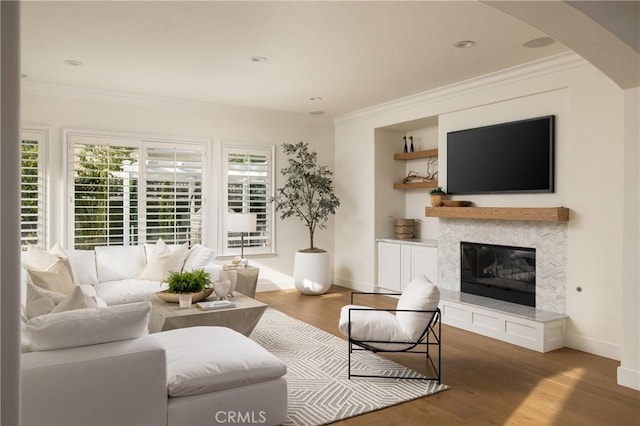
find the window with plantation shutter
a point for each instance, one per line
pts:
(32, 188)
(128, 191)
(247, 186)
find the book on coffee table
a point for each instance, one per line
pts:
(216, 304)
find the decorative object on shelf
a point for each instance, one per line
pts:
(308, 195)
(415, 177)
(411, 140)
(405, 144)
(437, 196)
(242, 223)
(456, 203)
(430, 162)
(404, 228)
(221, 288)
(194, 282)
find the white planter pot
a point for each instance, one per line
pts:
(312, 272)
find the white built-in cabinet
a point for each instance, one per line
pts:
(399, 262)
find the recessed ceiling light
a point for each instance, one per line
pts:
(315, 98)
(73, 63)
(258, 59)
(316, 113)
(464, 44)
(539, 42)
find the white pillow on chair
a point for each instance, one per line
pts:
(420, 294)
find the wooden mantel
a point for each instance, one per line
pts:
(542, 214)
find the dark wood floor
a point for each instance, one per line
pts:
(492, 383)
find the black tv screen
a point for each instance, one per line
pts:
(509, 157)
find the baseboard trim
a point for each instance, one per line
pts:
(273, 286)
(593, 346)
(354, 285)
(629, 378)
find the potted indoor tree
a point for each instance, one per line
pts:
(308, 195)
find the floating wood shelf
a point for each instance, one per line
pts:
(416, 185)
(416, 155)
(541, 214)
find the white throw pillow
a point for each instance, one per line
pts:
(421, 294)
(56, 278)
(83, 263)
(36, 258)
(119, 262)
(197, 258)
(91, 326)
(83, 296)
(164, 261)
(41, 301)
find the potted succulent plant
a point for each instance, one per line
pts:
(437, 196)
(196, 282)
(308, 195)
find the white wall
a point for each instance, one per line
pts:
(60, 108)
(589, 109)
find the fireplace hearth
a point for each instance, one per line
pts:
(499, 272)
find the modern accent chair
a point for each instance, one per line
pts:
(412, 327)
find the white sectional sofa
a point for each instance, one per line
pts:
(98, 366)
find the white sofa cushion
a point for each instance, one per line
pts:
(119, 262)
(56, 278)
(420, 294)
(61, 253)
(81, 297)
(208, 359)
(91, 326)
(83, 263)
(128, 291)
(372, 325)
(40, 301)
(197, 258)
(164, 260)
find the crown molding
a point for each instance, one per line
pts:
(556, 63)
(141, 100)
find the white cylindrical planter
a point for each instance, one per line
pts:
(312, 272)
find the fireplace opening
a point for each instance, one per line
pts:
(500, 272)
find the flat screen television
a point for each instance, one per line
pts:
(503, 158)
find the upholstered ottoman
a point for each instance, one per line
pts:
(216, 375)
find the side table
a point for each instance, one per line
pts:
(247, 280)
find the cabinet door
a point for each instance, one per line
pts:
(389, 266)
(424, 261)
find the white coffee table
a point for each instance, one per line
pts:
(242, 318)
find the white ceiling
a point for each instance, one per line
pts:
(352, 54)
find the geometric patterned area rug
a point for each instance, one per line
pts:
(319, 391)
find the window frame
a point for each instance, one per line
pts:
(140, 142)
(269, 152)
(41, 135)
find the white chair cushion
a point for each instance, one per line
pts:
(197, 258)
(83, 263)
(119, 262)
(91, 326)
(164, 260)
(128, 291)
(372, 325)
(207, 359)
(420, 294)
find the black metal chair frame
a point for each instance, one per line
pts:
(431, 336)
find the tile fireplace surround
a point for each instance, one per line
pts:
(548, 238)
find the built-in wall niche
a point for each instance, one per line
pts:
(389, 172)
